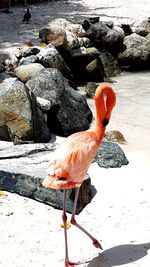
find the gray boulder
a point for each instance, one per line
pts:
(75, 28)
(137, 52)
(95, 30)
(69, 111)
(20, 118)
(26, 52)
(142, 28)
(110, 155)
(106, 32)
(110, 64)
(61, 32)
(80, 59)
(95, 71)
(27, 55)
(54, 34)
(15, 109)
(22, 170)
(112, 37)
(49, 57)
(28, 60)
(40, 128)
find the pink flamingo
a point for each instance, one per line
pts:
(71, 160)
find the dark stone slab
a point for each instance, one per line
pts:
(22, 169)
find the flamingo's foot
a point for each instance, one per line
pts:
(97, 244)
(68, 225)
(69, 263)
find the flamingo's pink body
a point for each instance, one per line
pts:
(71, 160)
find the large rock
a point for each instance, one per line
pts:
(49, 57)
(95, 30)
(20, 118)
(15, 109)
(110, 155)
(75, 28)
(80, 59)
(112, 37)
(40, 128)
(137, 52)
(95, 71)
(110, 64)
(107, 31)
(62, 33)
(69, 111)
(142, 28)
(55, 35)
(105, 35)
(22, 169)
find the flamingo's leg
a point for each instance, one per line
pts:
(64, 218)
(73, 221)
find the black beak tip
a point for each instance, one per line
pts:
(105, 122)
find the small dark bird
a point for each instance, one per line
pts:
(27, 16)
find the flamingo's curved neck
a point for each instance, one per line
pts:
(104, 102)
(100, 115)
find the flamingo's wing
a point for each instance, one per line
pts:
(71, 161)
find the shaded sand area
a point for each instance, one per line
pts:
(119, 214)
(14, 33)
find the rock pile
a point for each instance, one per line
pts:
(49, 74)
(39, 96)
(38, 84)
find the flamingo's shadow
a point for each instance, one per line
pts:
(120, 255)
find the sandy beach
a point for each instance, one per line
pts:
(119, 214)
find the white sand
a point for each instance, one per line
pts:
(119, 214)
